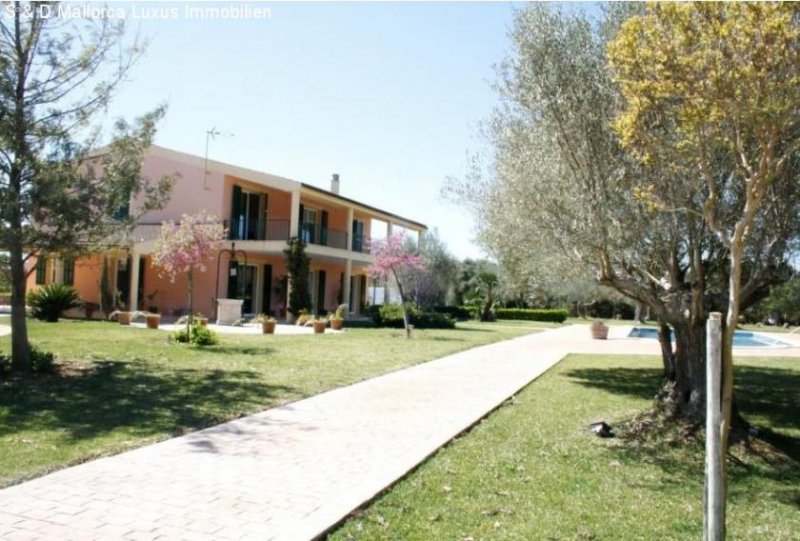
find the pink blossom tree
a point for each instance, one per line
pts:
(187, 246)
(394, 257)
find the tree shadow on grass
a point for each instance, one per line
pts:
(769, 393)
(135, 397)
(239, 350)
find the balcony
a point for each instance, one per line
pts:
(360, 244)
(244, 229)
(323, 236)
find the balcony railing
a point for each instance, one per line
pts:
(360, 244)
(244, 229)
(324, 236)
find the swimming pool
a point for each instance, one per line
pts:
(741, 339)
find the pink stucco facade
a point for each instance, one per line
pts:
(261, 212)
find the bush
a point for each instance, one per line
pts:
(197, 335)
(532, 314)
(391, 315)
(459, 313)
(50, 302)
(42, 362)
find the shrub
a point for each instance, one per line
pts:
(391, 315)
(532, 314)
(459, 313)
(197, 335)
(43, 362)
(50, 302)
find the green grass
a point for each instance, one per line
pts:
(135, 387)
(532, 470)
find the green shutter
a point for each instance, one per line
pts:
(301, 227)
(321, 292)
(266, 294)
(69, 271)
(363, 300)
(323, 228)
(236, 212)
(41, 268)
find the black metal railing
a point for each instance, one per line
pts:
(324, 236)
(360, 244)
(244, 229)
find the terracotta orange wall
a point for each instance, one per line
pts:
(188, 194)
(337, 216)
(87, 278)
(171, 297)
(279, 202)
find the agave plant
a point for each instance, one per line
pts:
(50, 302)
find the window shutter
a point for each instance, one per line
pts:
(236, 213)
(323, 228)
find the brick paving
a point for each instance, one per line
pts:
(291, 473)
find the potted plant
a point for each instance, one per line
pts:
(123, 317)
(267, 323)
(337, 319)
(153, 319)
(319, 325)
(599, 330)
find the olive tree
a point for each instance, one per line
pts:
(561, 198)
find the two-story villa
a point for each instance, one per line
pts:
(261, 212)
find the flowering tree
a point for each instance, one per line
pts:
(186, 246)
(393, 257)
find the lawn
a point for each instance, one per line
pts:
(129, 386)
(533, 471)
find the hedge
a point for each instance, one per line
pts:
(532, 314)
(391, 315)
(459, 313)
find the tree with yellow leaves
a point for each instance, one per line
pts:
(714, 89)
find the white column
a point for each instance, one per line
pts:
(348, 272)
(350, 228)
(388, 229)
(294, 220)
(133, 295)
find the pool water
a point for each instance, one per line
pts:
(741, 339)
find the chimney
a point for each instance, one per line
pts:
(335, 183)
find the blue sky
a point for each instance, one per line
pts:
(388, 95)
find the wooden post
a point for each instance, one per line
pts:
(714, 518)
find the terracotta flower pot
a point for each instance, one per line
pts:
(337, 324)
(268, 327)
(319, 327)
(153, 321)
(125, 318)
(599, 332)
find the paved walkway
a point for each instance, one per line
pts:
(290, 473)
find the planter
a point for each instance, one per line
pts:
(125, 318)
(599, 332)
(153, 321)
(319, 327)
(337, 324)
(268, 327)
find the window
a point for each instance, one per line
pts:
(69, 270)
(41, 269)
